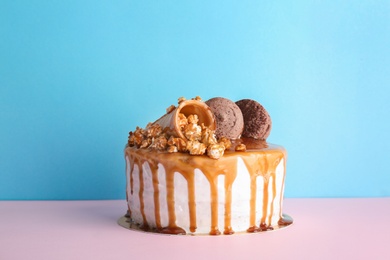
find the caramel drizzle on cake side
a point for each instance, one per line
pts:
(261, 162)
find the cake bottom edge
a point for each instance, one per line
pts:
(126, 222)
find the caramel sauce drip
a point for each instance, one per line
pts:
(252, 218)
(229, 179)
(138, 162)
(131, 184)
(261, 159)
(191, 202)
(154, 168)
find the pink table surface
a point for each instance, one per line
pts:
(322, 229)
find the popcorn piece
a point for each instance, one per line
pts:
(136, 137)
(241, 148)
(145, 143)
(159, 143)
(196, 148)
(183, 122)
(208, 136)
(198, 98)
(172, 149)
(179, 143)
(193, 119)
(153, 130)
(225, 141)
(193, 132)
(215, 151)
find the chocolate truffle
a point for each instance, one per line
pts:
(228, 116)
(257, 122)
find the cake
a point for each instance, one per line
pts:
(205, 168)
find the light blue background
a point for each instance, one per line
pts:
(77, 76)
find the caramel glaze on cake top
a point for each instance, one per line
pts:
(261, 159)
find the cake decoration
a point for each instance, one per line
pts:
(228, 116)
(256, 119)
(183, 178)
(190, 127)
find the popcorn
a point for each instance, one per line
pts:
(208, 136)
(172, 149)
(153, 130)
(145, 143)
(215, 151)
(196, 148)
(241, 148)
(159, 143)
(193, 119)
(183, 121)
(136, 137)
(197, 140)
(179, 143)
(193, 132)
(225, 142)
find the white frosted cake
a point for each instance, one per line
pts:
(182, 178)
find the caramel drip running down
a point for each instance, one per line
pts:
(137, 161)
(265, 167)
(154, 168)
(261, 160)
(191, 202)
(229, 179)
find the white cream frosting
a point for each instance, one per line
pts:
(240, 203)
